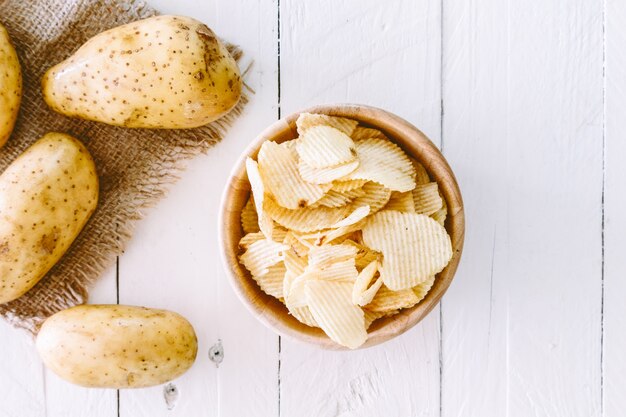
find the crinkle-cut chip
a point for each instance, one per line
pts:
(306, 219)
(324, 146)
(325, 176)
(440, 215)
(308, 120)
(364, 255)
(376, 196)
(388, 300)
(414, 247)
(336, 235)
(272, 281)
(287, 281)
(304, 316)
(295, 298)
(349, 185)
(296, 244)
(422, 289)
(401, 202)
(383, 162)
(335, 199)
(278, 165)
(279, 233)
(261, 255)
(266, 225)
(249, 239)
(356, 216)
(363, 292)
(249, 218)
(426, 198)
(294, 263)
(371, 317)
(339, 271)
(322, 257)
(367, 133)
(331, 305)
(421, 176)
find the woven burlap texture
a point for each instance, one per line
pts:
(134, 165)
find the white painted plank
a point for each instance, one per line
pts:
(615, 207)
(522, 94)
(66, 400)
(173, 260)
(387, 56)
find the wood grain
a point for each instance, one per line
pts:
(614, 360)
(523, 129)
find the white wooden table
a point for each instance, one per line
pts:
(526, 100)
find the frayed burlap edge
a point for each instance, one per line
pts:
(135, 166)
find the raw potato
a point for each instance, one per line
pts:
(46, 196)
(114, 346)
(167, 72)
(10, 86)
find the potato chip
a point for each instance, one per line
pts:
(414, 247)
(294, 263)
(440, 215)
(308, 120)
(363, 292)
(279, 233)
(364, 255)
(349, 185)
(422, 289)
(402, 202)
(278, 165)
(332, 199)
(324, 146)
(427, 199)
(295, 298)
(356, 216)
(421, 176)
(331, 305)
(249, 239)
(376, 196)
(272, 281)
(323, 257)
(367, 133)
(372, 316)
(249, 218)
(304, 316)
(307, 219)
(325, 176)
(266, 225)
(261, 255)
(330, 235)
(387, 300)
(383, 162)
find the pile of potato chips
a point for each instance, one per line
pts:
(342, 226)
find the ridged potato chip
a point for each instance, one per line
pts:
(295, 263)
(336, 199)
(296, 244)
(387, 300)
(344, 186)
(361, 132)
(272, 281)
(364, 255)
(331, 306)
(323, 257)
(261, 255)
(278, 165)
(421, 176)
(356, 216)
(249, 218)
(363, 292)
(325, 176)
(372, 316)
(376, 196)
(324, 146)
(308, 120)
(249, 239)
(422, 289)
(266, 225)
(304, 316)
(401, 202)
(383, 162)
(414, 247)
(426, 198)
(440, 215)
(327, 236)
(306, 219)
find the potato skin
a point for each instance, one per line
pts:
(162, 72)
(46, 196)
(10, 86)
(116, 346)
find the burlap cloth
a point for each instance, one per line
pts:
(134, 165)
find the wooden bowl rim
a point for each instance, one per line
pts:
(271, 312)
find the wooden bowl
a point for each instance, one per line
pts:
(272, 312)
